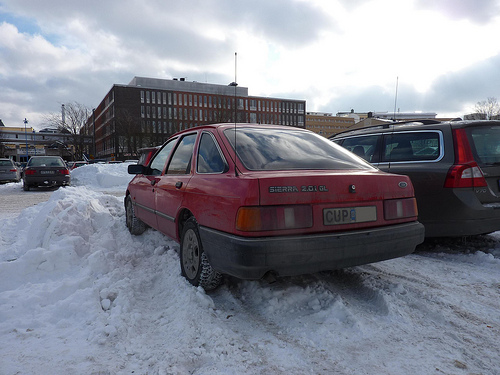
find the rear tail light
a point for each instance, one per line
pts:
(64, 171)
(29, 172)
(13, 170)
(465, 173)
(256, 219)
(400, 208)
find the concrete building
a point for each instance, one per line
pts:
(19, 143)
(326, 124)
(147, 111)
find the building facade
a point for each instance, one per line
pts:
(326, 124)
(20, 143)
(147, 111)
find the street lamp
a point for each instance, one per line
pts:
(26, 136)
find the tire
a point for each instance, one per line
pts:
(195, 266)
(135, 226)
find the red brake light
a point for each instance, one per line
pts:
(13, 170)
(400, 208)
(256, 219)
(29, 172)
(64, 171)
(465, 173)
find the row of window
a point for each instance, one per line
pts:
(208, 101)
(205, 115)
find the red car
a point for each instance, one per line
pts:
(286, 202)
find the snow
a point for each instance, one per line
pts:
(80, 295)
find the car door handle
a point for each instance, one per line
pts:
(178, 184)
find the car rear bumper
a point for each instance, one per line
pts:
(47, 181)
(460, 214)
(252, 258)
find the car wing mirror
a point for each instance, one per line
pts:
(138, 169)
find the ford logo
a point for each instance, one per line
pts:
(403, 184)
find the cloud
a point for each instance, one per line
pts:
(476, 11)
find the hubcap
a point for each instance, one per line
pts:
(190, 254)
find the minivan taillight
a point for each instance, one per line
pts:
(465, 173)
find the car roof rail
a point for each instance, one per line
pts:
(386, 126)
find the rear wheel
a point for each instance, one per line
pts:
(194, 262)
(135, 226)
(26, 187)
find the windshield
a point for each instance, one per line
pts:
(46, 162)
(486, 143)
(278, 149)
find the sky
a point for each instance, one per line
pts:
(368, 55)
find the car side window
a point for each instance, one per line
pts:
(158, 163)
(180, 163)
(411, 146)
(364, 146)
(209, 158)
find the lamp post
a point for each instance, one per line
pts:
(26, 136)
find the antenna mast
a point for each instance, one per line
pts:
(235, 84)
(396, 98)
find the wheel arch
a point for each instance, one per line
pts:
(184, 215)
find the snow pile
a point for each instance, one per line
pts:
(80, 295)
(102, 176)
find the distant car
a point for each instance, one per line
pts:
(131, 161)
(9, 172)
(46, 171)
(76, 164)
(454, 167)
(289, 202)
(146, 154)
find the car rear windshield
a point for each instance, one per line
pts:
(46, 162)
(277, 149)
(486, 143)
(5, 163)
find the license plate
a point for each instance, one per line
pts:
(349, 215)
(47, 172)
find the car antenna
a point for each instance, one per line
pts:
(396, 99)
(235, 84)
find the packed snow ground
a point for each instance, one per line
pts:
(80, 295)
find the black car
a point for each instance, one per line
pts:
(46, 171)
(454, 167)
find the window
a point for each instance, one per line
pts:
(153, 97)
(147, 97)
(270, 149)
(209, 159)
(142, 96)
(181, 159)
(362, 146)
(158, 163)
(411, 146)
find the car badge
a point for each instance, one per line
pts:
(352, 188)
(403, 184)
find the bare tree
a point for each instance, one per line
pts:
(487, 109)
(128, 131)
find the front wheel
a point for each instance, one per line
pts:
(135, 225)
(195, 266)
